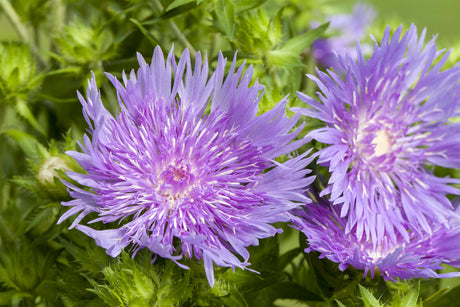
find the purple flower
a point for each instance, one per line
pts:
(345, 30)
(418, 257)
(186, 157)
(387, 127)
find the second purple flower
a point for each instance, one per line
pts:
(388, 124)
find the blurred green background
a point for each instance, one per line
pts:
(440, 16)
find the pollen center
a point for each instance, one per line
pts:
(175, 182)
(382, 142)
(374, 138)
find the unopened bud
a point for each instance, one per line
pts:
(48, 170)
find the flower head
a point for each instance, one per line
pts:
(419, 257)
(346, 31)
(187, 158)
(387, 126)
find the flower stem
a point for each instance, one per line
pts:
(58, 17)
(20, 28)
(175, 29)
(310, 70)
(15, 20)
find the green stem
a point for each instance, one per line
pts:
(177, 32)
(15, 20)
(3, 110)
(310, 70)
(20, 28)
(275, 77)
(6, 233)
(58, 16)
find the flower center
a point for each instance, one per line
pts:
(176, 181)
(382, 141)
(374, 139)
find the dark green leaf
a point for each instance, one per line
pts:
(178, 3)
(172, 13)
(146, 32)
(444, 297)
(288, 256)
(292, 290)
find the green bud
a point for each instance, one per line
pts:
(48, 170)
(49, 174)
(139, 282)
(18, 70)
(84, 44)
(256, 33)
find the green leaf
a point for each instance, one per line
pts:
(288, 256)
(300, 42)
(42, 216)
(33, 149)
(444, 297)
(146, 32)
(7, 296)
(172, 13)
(367, 297)
(410, 299)
(234, 299)
(292, 290)
(246, 5)
(177, 3)
(226, 17)
(23, 110)
(289, 53)
(228, 294)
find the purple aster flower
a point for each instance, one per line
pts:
(186, 157)
(346, 30)
(418, 257)
(387, 127)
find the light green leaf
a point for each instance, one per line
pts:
(33, 149)
(23, 110)
(289, 53)
(410, 300)
(300, 42)
(367, 297)
(225, 16)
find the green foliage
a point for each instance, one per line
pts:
(136, 282)
(84, 45)
(17, 76)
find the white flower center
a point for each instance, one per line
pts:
(382, 142)
(381, 252)
(374, 138)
